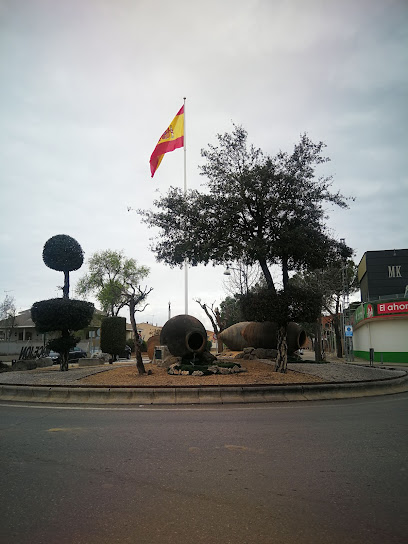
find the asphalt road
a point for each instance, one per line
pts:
(317, 472)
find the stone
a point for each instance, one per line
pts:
(168, 361)
(208, 357)
(197, 373)
(161, 356)
(262, 353)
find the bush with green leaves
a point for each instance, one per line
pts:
(63, 253)
(58, 314)
(63, 343)
(113, 336)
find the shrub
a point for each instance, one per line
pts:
(63, 343)
(63, 253)
(58, 314)
(113, 335)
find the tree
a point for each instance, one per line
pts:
(231, 312)
(257, 208)
(113, 336)
(213, 314)
(8, 314)
(329, 284)
(62, 253)
(241, 278)
(115, 281)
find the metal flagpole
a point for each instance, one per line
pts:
(185, 192)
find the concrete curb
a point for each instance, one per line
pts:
(200, 395)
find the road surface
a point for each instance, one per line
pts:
(316, 472)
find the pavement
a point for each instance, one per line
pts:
(340, 380)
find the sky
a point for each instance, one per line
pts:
(87, 89)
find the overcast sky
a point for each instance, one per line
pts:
(88, 87)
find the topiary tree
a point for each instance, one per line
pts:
(113, 336)
(62, 253)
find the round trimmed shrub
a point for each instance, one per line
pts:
(59, 314)
(63, 253)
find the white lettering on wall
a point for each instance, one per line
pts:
(394, 272)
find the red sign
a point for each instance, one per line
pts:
(392, 307)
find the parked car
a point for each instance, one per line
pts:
(56, 358)
(75, 354)
(126, 354)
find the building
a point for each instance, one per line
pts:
(380, 322)
(383, 274)
(19, 332)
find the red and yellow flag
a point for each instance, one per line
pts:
(171, 139)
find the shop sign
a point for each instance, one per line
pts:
(392, 307)
(359, 314)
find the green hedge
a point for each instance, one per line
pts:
(204, 368)
(113, 335)
(58, 314)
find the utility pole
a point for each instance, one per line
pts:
(347, 340)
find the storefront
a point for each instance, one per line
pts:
(382, 325)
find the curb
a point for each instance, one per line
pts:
(201, 395)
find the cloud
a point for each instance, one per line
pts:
(88, 88)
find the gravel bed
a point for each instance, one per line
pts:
(330, 372)
(45, 376)
(342, 372)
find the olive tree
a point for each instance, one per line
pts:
(115, 281)
(259, 209)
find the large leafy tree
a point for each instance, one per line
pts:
(269, 210)
(115, 281)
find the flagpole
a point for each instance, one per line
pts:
(185, 193)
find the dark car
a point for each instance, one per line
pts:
(126, 353)
(75, 354)
(56, 358)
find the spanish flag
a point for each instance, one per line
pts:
(171, 139)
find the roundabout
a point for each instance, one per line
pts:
(120, 384)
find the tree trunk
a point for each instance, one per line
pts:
(282, 357)
(65, 290)
(318, 340)
(139, 360)
(220, 327)
(339, 339)
(65, 354)
(267, 275)
(285, 272)
(216, 327)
